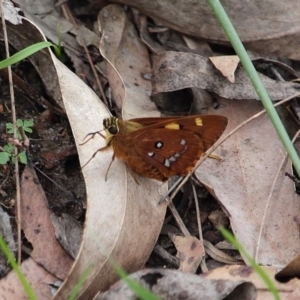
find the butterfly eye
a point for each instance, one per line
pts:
(111, 125)
(113, 130)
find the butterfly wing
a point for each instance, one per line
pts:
(208, 127)
(162, 147)
(168, 153)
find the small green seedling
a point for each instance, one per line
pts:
(7, 154)
(7, 151)
(26, 125)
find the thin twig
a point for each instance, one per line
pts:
(203, 263)
(13, 112)
(178, 220)
(197, 212)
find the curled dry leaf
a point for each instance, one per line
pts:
(291, 270)
(169, 284)
(38, 228)
(123, 218)
(69, 232)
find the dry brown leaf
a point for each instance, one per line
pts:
(128, 62)
(7, 235)
(69, 232)
(243, 184)
(263, 25)
(169, 284)
(226, 65)
(38, 228)
(11, 13)
(253, 19)
(190, 252)
(145, 37)
(289, 291)
(175, 70)
(40, 280)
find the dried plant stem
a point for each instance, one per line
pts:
(13, 112)
(203, 263)
(178, 220)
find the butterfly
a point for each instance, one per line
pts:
(159, 148)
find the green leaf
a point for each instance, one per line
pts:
(27, 129)
(28, 123)
(19, 123)
(9, 148)
(23, 157)
(9, 128)
(4, 158)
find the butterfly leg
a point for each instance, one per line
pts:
(112, 159)
(92, 134)
(99, 150)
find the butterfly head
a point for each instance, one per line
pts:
(111, 127)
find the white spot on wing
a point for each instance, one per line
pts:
(167, 163)
(159, 145)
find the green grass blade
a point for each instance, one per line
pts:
(263, 275)
(24, 54)
(255, 79)
(80, 283)
(17, 270)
